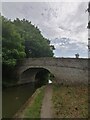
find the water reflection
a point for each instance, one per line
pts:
(13, 98)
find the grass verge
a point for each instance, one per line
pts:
(70, 102)
(34, 109)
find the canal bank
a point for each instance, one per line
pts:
(56, 101)
(14, 97)
(32, 107)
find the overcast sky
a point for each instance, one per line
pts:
(56, 21)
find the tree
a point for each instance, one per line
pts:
(12, 43)
(21, 39)
(35, 44)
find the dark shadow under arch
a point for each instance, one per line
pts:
(39, 75)
(42, 77)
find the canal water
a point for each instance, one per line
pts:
(14, 97)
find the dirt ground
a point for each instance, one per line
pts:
(46, 110)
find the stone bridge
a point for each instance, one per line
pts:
(66, 71)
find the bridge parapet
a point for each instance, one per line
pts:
(59, 62)
(66, 70)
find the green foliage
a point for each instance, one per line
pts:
(35, 44)
(21, 39)
(12, 43)
(34, 110)
(42, 78)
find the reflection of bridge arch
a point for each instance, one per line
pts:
(65, 70)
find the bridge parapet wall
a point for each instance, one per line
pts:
(65, 70)
(59, 62)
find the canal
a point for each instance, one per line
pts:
(14, 97)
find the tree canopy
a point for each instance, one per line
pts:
(21, 39)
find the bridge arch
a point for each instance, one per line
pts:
(69, 71)
(35, 74)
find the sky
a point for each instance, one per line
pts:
(63, 23)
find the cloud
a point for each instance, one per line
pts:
(66, 47)
(55, 20)
(45, 1)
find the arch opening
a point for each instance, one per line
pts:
(43, 77)
(40, 76)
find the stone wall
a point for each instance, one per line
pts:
(66, 71)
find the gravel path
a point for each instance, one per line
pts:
(46, 110)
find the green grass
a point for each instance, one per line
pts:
(33, 111)
(70, 102)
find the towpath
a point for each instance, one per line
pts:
(46, 110)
